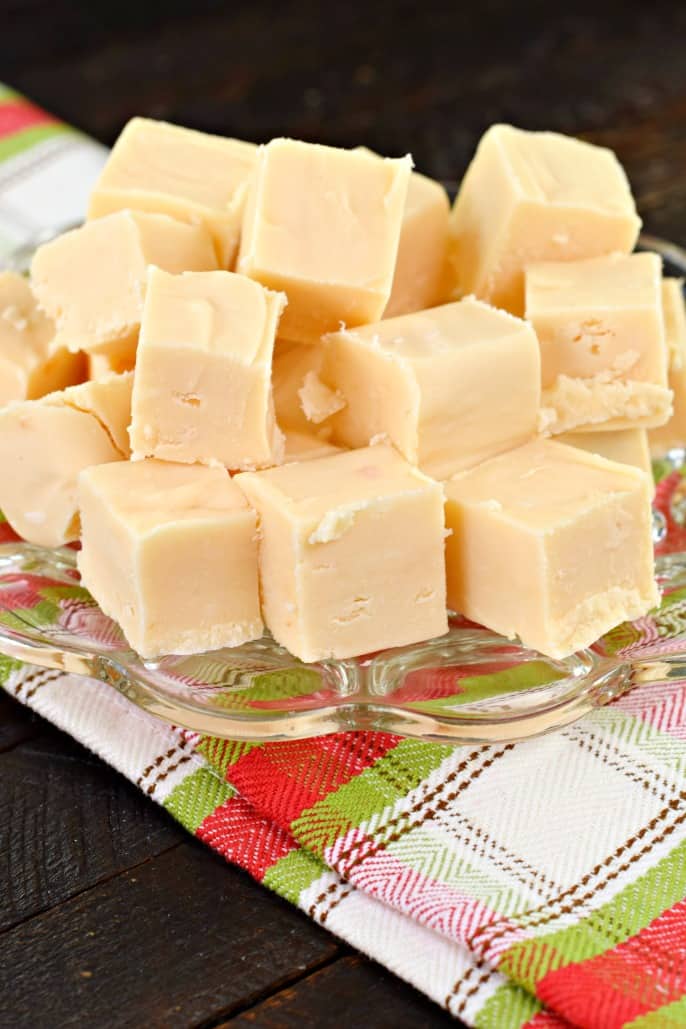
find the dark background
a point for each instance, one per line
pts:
(109, 914)
(404, 76)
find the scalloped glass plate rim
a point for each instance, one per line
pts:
(259, 692)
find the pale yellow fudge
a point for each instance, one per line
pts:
(169, 551)
(45, 443)
(92, 280)
(674, 310)
(343, 567)
(322, 225)
(449, 387)
(672, 434)
(296, 372)
(300, 446)
(536, 196)
(550, 544)
(202, 387)
(318, 401)
(420, 279)
(189, 175)
(628, 446)
(100, 366)
(601, 329)
(29, 365)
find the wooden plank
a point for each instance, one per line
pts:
(181, 940)
(350, 992)
(218, 69)
(66, 822)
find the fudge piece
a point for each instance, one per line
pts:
(45, 443)
(318, 401)
(343, 567)
(29, 366)
(100, 366)
(323, 224)
(627, 446)
(673, 433)
(603, 356)
(92, 280)
(300, 446)
(192, 176)
(420, 279)
(674, 311)
(293, 364)
(169, 551)
(567, 532)
(536, 196)
(449, 387)
(202, 389)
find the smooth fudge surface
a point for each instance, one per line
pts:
(30, 366)
(536, 196)
(674, 310)
(673, 433)
(551, 544)
(92, 280)
(627, 446)
(601, 329)
(45, 443)
(322, 225)
(448, 387)
(301, 446)
(169, 552)
(189, 175)
(420, 279)
(343, 569)
(202, 387)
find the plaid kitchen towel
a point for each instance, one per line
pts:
(537, 884)
(46, 171)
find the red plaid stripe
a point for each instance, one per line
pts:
(645, 973)
(236, 832)
(16, 115)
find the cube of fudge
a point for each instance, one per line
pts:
(448, 387)
(92, 280)
(627, 446)
(189, 175)
(169, 552)
(672, 434)
(45, 443)
(322, 225)
(202, 389)
(551, 544)
(536, 196)
(29, 366)
(420, 279)
(601, 329)
(351, 553)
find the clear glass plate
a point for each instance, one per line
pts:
(468, 686)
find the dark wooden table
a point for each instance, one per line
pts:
(109, 914)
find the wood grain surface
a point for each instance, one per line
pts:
(109, 914)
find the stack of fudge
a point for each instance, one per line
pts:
(289, 385)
